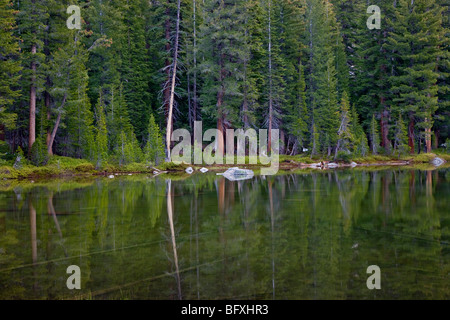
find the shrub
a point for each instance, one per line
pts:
(85, 167)
(170, 166)
(39, 155)
(343, 156)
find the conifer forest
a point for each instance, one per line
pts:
(110, 90)
(114, 181)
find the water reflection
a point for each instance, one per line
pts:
(291, 236)
(170, 206)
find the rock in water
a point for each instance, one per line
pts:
(189, 170)
(234, 174)
(111, 176)
(353, 164)
(332, 165)
(437, 161)
(203, 170)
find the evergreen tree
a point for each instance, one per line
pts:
(9, 66)
(101, 136)
(154, 149)
(222, 41)
(361, 146)
(400, 137)
(374, 135)
(322, 81)
(416, 39)
(345, 135)
(371, 67)
(298, 117)
(135, 75)
(31, 26)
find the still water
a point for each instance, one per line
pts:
(303, 235)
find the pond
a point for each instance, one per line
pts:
(296, 235)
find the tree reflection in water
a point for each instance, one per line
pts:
(296, 235)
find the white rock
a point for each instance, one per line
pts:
(130, 174)
(203, 170)
(189, 170)
(111, 176)
(353, 164)
(437, 161)
(333, 165)
(235, 174)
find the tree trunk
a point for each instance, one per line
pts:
(55, 128)
(428, 139)
(436, 139)
(385, 143)
(220, 123)
(32, 127)
(166, 90)
(269, 144)
(172, 86)
(194, 98)
(49, 114)
(411, 134)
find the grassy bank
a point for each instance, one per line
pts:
(69, 167)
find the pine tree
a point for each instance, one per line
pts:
(361, 146)
(9, 66)
(105, 30)
(371, 67)
(442, 120)
(135, 74)
(123, 140)
(101, 139)
(298, 117)
(253, 64)
(400, 137)
(416, 39)
(345, 135)
(154, 149)
(374, 136)
(322, 80)
(276, 68)
(222, 41)
(31, 25)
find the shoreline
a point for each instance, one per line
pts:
(82, 168)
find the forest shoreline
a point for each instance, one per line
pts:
(62, 167)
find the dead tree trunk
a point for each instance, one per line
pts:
(173, 80)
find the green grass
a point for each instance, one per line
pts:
(64, 166)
